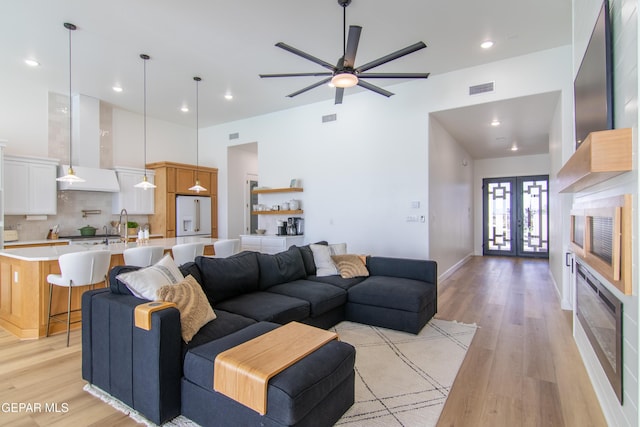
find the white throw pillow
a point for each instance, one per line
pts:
(144, 283)
(322, 258)
(338, 249)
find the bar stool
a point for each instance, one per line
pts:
(143, 256)
(226, 247)
(187, 252)
(77, 269)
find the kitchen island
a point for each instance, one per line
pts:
(24, 291)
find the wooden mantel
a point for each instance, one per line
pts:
(601, 156)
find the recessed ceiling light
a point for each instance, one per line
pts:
(228, 97)
(486, 44)
(117, 89)
(31, 62)
(495, 122)
(514, 147)
(184, 109)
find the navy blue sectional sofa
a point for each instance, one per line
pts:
(159, 375)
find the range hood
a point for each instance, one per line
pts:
(95, 179)
(86, 149)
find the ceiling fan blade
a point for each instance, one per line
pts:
(303, 90)
(352, 46)
(296, 75)
(339, 94)
(393, 75)
(374, 88)
(395, 55)
(305, 55)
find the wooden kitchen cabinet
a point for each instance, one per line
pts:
(186, 178)
(173, 179)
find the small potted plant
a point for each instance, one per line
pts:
(132, 228)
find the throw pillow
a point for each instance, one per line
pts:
(350, 266)
(322, 258)
(145, 282)
(338, 248)
(307, 258)
(195, 311)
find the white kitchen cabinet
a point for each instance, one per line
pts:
(30, 186)
(269, 244)
(135, 200)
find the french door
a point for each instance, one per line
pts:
(515, 216)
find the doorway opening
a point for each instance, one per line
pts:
(251, 221)
(515, 216)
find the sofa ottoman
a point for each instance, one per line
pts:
(399, 294)
(314, 391)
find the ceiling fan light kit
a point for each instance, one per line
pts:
(344, 80)
(345, 74)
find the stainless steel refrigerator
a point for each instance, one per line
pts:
(193, 216)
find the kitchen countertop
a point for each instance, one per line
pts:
(17, 243)
(52, 253)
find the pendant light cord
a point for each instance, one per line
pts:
(197, 79)
(144, 88)
(70, 27)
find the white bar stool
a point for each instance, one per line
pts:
(187, 252)
(77, 269)
(143, 256)
(226, 247)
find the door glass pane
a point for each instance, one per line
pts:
(499, 216)
(534, 216)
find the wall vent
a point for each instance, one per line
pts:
(329, 118)
(481, 88)
(235, 135)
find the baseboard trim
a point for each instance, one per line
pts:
(445, 275)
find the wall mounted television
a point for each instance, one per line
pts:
(593, 85)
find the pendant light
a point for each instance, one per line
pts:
(145, 184)
(197, 187)
(70, 177)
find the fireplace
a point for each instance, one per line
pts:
(600, 314)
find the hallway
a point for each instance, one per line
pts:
(523, 367)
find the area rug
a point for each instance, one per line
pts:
(401, 379)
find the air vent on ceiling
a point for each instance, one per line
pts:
(235, 135)
(481, 88)
(329, 118)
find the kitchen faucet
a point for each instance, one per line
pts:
(126, 224)
(106, 236)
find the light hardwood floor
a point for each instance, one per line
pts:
(522, 368)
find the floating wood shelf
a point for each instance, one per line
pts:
(277, 190)
(296, 212)
(600, 157)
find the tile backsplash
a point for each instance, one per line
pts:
(69, 217)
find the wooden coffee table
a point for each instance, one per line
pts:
(243, 372)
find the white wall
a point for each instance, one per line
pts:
(559, 224)
(450, 199)
(165, 141)
(497, 168)
(241, 162)
(625, 80)
(24, 116)
(362, 172)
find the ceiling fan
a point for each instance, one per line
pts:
(345, 74)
